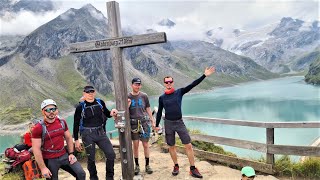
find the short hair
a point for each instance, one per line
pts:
(167, 77)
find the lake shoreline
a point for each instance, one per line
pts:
(19, 129)
(22, 127)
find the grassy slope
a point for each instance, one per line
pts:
(31, 89)
(313, 76)
(63, 83)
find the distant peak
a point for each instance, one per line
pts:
(88, 7)
(287, 20)
(92, 11)
(167, 22)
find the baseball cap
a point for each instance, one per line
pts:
(248, 171)
(136, 80)
(88, 88)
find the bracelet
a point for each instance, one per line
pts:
(70, 153)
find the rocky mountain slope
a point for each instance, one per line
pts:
(41, 66)
(276, 47)
(8, 44)
(36, 6)
(313, 76)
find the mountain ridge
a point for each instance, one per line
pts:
(49, 71)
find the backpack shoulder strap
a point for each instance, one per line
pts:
(44, 131)
(99, 102)
(62, 122)
(83, 106)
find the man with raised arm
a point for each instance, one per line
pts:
(171, 101)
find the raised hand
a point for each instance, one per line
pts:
(209, 70)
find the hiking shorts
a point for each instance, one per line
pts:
(142, 135)
(171, 127)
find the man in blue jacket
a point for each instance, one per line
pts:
(171, 101)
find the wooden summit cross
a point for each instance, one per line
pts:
(115, 45)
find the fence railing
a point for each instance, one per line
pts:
(269, 147)
(111, 132)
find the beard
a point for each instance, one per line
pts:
(51, 116)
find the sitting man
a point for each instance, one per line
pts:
(48, 144)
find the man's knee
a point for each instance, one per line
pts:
(135, 144)
(110, 155)
(81, 174)
(188, 147)
(145, 144)
(172, 147)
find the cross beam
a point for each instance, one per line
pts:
(121, 42)
(115, 44)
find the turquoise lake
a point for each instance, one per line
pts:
(287, 99)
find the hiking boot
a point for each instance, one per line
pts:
(136, 170)
(195, 173)
(149, 170)
(175, 170)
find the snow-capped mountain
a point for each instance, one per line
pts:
(167, 22)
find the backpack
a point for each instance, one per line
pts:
(45, 131)
(83, 106)
(31, 170)
(10, 153)
(18, 157)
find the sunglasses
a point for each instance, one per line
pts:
(90, 91)
(51, 109)
(167, 82)
(251, 177)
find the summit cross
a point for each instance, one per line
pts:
(116, 44)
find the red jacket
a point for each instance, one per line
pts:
(27, 139)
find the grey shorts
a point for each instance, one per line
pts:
(142, 135)
(171, 127)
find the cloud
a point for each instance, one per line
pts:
(24, 22)
(192, 18)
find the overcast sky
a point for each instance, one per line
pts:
(192, 17)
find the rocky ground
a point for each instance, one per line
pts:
(162, 165)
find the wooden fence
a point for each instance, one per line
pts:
(269, 147)
(111, 132)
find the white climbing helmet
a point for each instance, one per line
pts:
(47, 102)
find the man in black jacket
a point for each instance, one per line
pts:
(90, 116)
(171, 101)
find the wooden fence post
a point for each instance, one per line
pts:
(270, 140)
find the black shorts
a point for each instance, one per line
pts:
(171, 127)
